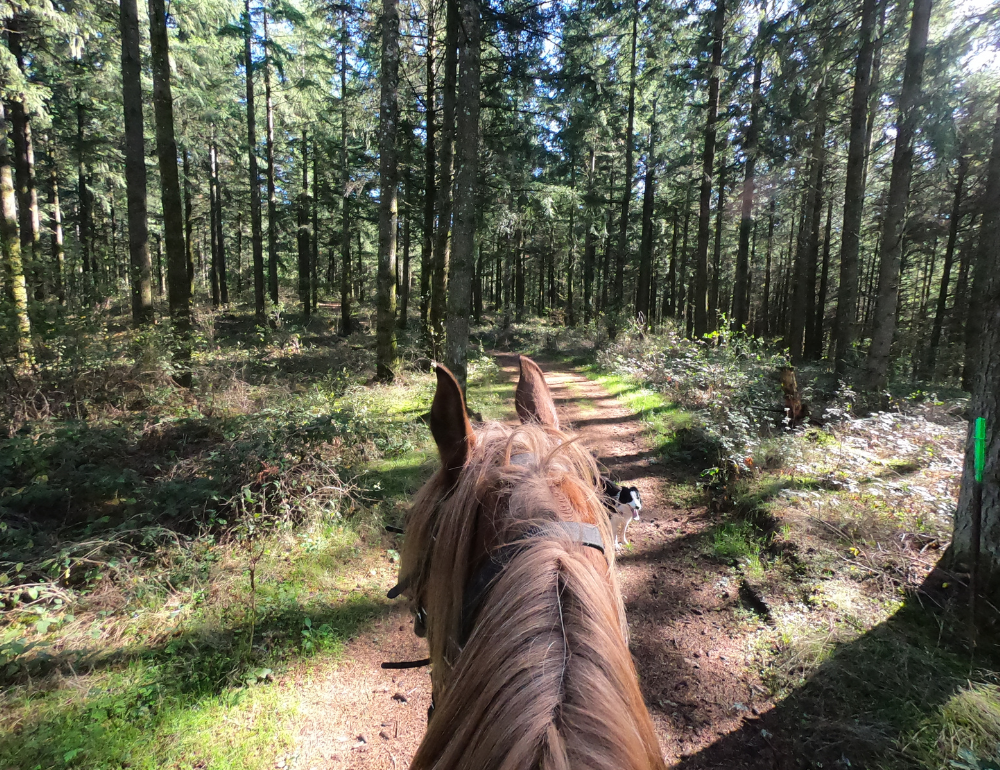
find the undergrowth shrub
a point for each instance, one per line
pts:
(729, 380)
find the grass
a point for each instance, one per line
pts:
(837, 529)
(171, 561)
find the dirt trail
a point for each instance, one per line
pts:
(689, 634)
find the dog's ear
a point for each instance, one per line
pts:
(532, 399)
(450, 424)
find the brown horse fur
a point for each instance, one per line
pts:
(545, 679)
(532, 399)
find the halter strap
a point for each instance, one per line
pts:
(476, 590)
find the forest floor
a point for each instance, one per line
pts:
(791, 618)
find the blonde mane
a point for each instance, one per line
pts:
(545, 680)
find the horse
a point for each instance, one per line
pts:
(508, 565)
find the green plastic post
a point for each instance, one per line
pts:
(980, 448)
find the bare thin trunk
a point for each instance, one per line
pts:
(256, 235)
(389, 188)
(741, 289)
(846, 325)
(179, 295)
(427, 246)
(618, 298)
(442, 241)
(10, 245)
(272, 196)
(141, 272)
(701, 319)
(346, 321)
(877, 363)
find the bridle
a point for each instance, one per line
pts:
(483, 580)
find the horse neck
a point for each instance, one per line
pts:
(546, 679)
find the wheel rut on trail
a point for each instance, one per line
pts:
(690, 637)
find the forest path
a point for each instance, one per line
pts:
(688, 629)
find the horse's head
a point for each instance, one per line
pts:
(494, 486)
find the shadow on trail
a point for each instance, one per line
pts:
(869, 695)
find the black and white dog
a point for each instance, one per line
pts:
(623, 504)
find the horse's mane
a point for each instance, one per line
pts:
(551, 636)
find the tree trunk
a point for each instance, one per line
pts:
(845, 329)
(188, 219)
(571, 248)
(646, 242)
(141, 272)
(683, 295)
(949, 257)
(466, 173)
(814, 341)
(85, 202)
(701, 319)
(272, 196)
(442, 242)
(765, 311)
(589, 242)
(179, 294)
(804, 296)
(814, 330)
(213, 268)
(11, 248)
(24, 169)
(877, 363)
(303, 235)
(985, 400)
(720, 209)
(427, 246)
(741, 289)
(58, 252)
(389, 185)
(618, 298)
(220, 242)
(669, 303)
(406, 281)
(256, 234)
(314, 256)
(346, 321)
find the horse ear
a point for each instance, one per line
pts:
(532, 399)
(450, 425)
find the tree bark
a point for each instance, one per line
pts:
(178, 292)
(618, 298)
(985, 400)
(406, 277)
(741, 289)
(11, 249)
(141, 272)
(877, 363)
(58, 251)
(24, 169)
(272, 196)
(85, 203)
(804, 295)
(303, 236)
(188, 222)
(954, 223)
(466, 172)
(589, 242)
(720, 209)
(701, 319)
(346, 320)
(646, 241)
(389, 187)
(219, 253)
(845, 329)
(256, 234)
(430, 155)
(442, 241)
